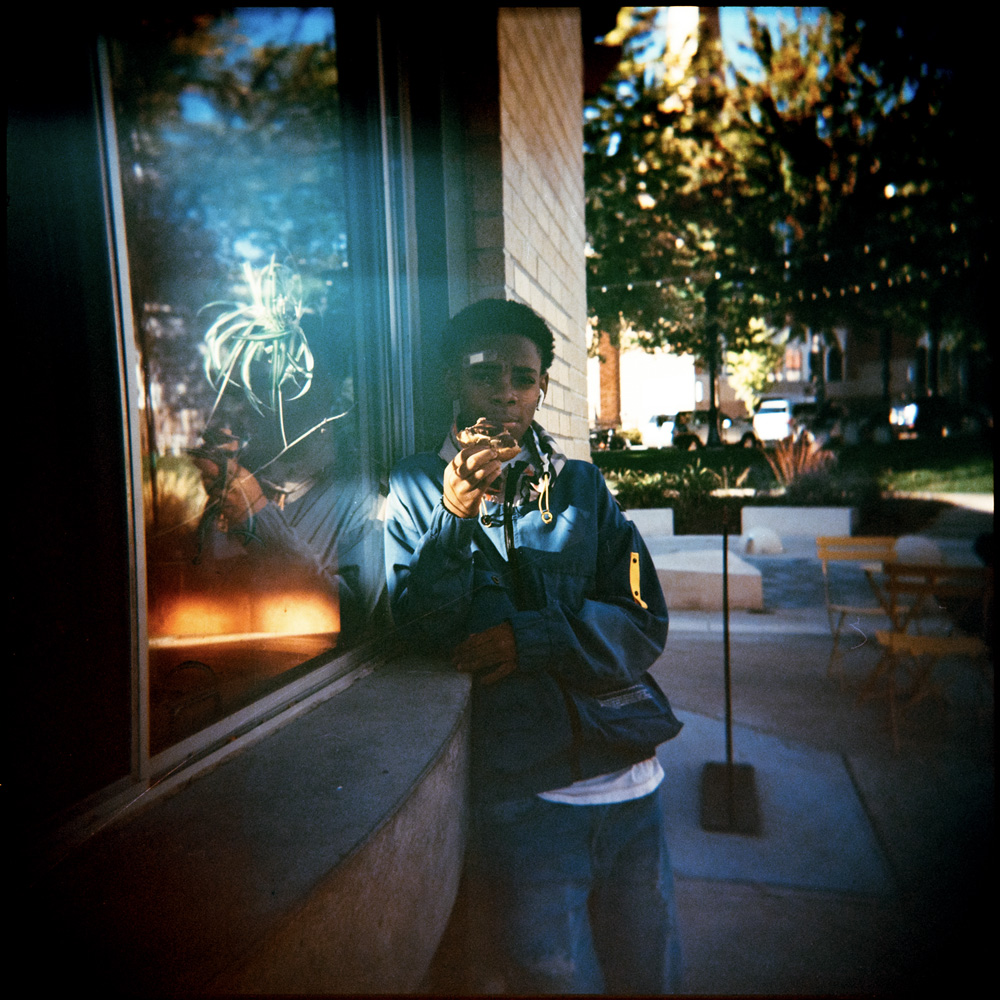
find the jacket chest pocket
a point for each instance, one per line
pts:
(564, 571)
(567, 587)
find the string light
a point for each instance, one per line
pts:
(891, 281)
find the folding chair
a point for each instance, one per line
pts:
(869, 553)
(956, 602)
(920, 654)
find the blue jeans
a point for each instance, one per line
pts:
(576, 899)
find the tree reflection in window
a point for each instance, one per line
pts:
(261, 542)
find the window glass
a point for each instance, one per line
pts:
(261, 541)
(793, 364)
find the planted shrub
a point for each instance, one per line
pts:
(641, 489)
(797, 457)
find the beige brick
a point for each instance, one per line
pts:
(542, 194)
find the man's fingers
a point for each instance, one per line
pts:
(494, 650)
(473, 659)
(498, 669)
(467, 480)
(478, 467)
(499, 674)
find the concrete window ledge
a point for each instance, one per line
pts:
(323, 859)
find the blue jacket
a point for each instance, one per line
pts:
(584, 640)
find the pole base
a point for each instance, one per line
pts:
(729, 801)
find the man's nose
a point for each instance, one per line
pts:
(503, 388)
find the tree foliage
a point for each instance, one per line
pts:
(752, 369)
(832, 184)
(232, 154)
(665, 175)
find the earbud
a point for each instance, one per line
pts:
(541, 399)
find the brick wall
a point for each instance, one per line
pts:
(541, 133)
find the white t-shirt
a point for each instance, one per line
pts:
(620, 786)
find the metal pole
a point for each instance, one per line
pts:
(725, 636)
(729, 791)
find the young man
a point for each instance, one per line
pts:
(528, 575)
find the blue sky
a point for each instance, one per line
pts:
(735, 33)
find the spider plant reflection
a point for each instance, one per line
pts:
(263, 334)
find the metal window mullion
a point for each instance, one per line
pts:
(396, 155)
(128, 362)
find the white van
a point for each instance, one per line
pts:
(658, 431)
(773, 420)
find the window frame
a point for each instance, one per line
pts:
(382, 235)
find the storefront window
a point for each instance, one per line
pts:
(261, 540)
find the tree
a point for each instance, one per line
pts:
(752, 370)
(834, 185)
(872, 119)
(676, 203)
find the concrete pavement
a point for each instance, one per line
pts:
(872, 867)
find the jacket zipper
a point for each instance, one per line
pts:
(510, 495)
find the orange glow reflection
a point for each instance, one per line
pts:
(188, 602)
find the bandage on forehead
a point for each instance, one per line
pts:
(480, 358)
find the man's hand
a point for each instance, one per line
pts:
(467, 479)
(494, 651)
(235, 492)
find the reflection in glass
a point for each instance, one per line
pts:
(260, 538)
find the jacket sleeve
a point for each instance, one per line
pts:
(612, 637)
(429, 561)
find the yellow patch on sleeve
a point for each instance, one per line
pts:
(633, 578)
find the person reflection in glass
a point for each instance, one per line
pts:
(303, 511)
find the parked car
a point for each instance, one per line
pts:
(608, 439)
(824, 421)
(658, 431)
(773, 420)
(691, 430)
(870, 423)
(938, 416)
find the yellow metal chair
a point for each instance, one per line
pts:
(918, 655)
(870, 553)
(955, 596)
(956, 603)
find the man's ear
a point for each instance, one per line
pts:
(543, 382)
(451, 382)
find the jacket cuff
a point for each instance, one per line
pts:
(449, 530)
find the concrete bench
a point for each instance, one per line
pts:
(692, 581)
(812, 521)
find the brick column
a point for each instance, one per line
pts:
(610, 410)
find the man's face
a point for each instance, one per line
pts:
(500, 378)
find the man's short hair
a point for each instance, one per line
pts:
(497, 317)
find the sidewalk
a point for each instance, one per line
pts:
(872, 868)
